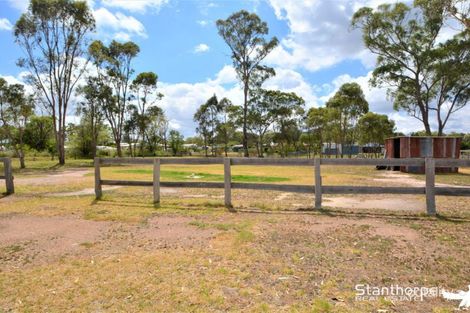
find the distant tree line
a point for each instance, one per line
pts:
(278, 123)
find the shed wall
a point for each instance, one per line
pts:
(421, 147)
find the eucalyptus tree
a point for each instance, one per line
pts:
(156, 129)
(318, 127)
(144, 88)
(154, 133)
(245, 34)
(176, 141)
(114, 68)
(458, 9)
(52, 35)
(288, 112)
(39, 134)
(202, 118)
(374, 128)
(348, 105)
(96, 96)
(425, 77)
(16, 108)
(131, 129)
(262, 114)
(226, 127)
(207, 117)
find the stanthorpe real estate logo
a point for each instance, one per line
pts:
(464, 296)
(365, 292)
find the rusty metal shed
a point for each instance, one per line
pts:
(421, 147)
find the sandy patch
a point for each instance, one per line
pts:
(83, 192)
(53, 178)
(282, 196)
(394, 203)
(396, 178)
(91, 191)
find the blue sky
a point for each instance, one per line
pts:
(179, 41)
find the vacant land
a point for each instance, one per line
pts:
(61, 250)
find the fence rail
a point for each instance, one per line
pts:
(8, 175)
(318, 189)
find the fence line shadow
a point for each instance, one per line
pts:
(356, 214)
(300, 211)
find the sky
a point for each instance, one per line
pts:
(178, 40)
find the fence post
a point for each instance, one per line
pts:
(8, 176)
(156, 180)
(318, 191)
(430, 170)
(98, 190)
(227, 183)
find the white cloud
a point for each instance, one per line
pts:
(320, 33)
(122, 36)
(289, 80)
(118, 25)
(226, 75)
(18, 80)
(139, 6)
(377, 97)
(174, 124)
(11, 79)
(203, 23)
(449, 30)
(5, 24)
(20, 5)
(201, 48)
(181, 100)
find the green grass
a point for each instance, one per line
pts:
(460, 178)
(200, 176)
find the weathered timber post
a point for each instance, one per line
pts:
(98, 190)
(227, 183)
(156, 180)
(8, 176)
(318, 191)
(430, 170)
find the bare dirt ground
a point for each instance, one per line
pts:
(48, 178)
(32, 240)
(401, 203)
(400, 178)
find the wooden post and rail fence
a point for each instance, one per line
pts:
(318, 189)
(8, 175)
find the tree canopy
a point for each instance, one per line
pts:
(245, 34)
(52, 35)
(425, 78)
